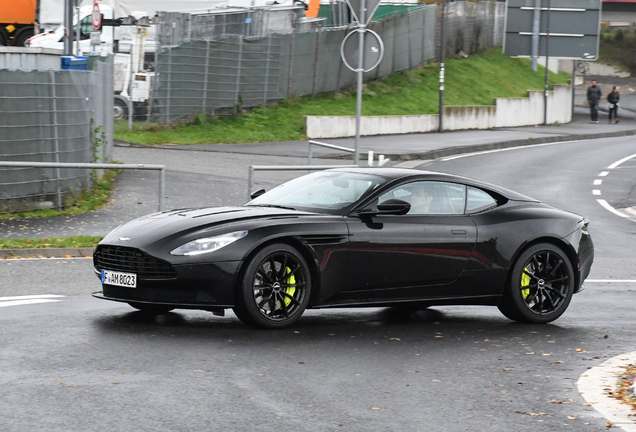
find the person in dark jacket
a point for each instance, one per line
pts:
(613, 99)
(593, 97)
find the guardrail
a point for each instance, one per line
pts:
(250, 180)
(160, 168)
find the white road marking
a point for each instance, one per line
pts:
(610, 280)
(29, 299)
(597, 192)
(608, 207)
(506, 149)
(410, 164)
(592, 385)
(625, 159)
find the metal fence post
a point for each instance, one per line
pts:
(56, 143)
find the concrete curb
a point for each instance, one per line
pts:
(449, 151)
(82, 252)
(597, 382)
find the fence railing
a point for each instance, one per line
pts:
(160, 168)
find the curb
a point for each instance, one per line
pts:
(82, 252)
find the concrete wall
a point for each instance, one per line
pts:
(506, 112)
(21, 58)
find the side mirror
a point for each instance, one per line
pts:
(394, 207)
(257, 193)
(388, 207)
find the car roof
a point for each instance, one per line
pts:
(397, 174)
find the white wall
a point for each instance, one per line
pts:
(507, 112)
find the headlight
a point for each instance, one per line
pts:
(209, 244)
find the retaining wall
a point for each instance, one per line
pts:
(506, 112)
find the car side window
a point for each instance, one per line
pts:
(430, 197)
(478, 200)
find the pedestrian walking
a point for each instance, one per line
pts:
(613, 99)
(593, 97)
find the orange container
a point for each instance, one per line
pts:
(17, 11)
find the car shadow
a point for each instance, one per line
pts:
(370, 323)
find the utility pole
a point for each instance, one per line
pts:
(69, 6)
(442, 57)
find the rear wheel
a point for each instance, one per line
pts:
(120, 109)
(540, 287)
(275, 288)
(23, 35)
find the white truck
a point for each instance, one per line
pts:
(132, 45)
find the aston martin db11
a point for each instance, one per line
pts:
(352, 238)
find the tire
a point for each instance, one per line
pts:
(151, 309)
(120, 109)
(22, 36)
(275, 288)
(4, 39)
(540, 286)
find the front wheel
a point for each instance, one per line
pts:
(540, 286)
(275, 288)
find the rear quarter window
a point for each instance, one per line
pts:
(478, 200)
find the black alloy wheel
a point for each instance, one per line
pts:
(540, 287)
(275, 288)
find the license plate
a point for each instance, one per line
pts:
(120, 279)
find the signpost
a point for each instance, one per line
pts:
(574, 31)
(366, 53)
(566, 29)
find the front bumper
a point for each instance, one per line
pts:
(194, 286)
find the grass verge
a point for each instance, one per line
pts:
(476, 80)
(66, 242)
(86, 201)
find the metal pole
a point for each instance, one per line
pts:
(536, 20)
(162, 187)
(68, 27)
(573, 86)
(77, 34)
(130, 87)
(442, 56)
(361, 31)
(547, 62)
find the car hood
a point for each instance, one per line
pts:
(178, 223)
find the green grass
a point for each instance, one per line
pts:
(617, 48)
(477, 80)
(85, 201)
(68, 242)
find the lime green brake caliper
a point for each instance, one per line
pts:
(291, 280)
(525, 281)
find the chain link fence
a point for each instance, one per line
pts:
(52, 116)
(217, 64)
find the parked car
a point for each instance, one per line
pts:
(350, 238)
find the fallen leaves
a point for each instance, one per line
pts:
(529, 413)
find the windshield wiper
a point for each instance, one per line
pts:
(271, 206)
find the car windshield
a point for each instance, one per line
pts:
(323, 191)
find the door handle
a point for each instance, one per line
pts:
(458, 232)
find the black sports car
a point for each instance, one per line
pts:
(349, 238)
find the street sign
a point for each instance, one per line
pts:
(373, 50)
(356, 9)
(96, 17)
(574, 28)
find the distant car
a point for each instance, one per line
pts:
(350, 238)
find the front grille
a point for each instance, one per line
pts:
(131, 260)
